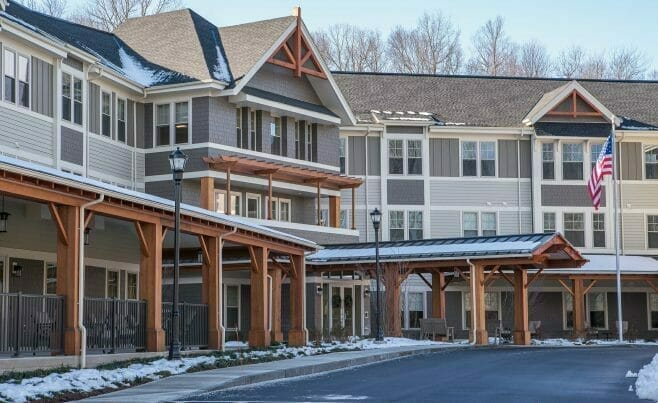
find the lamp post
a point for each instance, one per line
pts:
(376, 217)
(177, 160)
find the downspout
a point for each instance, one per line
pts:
(81, 279)
(473, 304)
(518, 180)
(366, 181)
(621, 197)
(221, 279)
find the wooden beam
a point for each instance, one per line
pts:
(506, 277)
(204, 250)
(54, 212)
(254, 261)
(447, 282)
(425, 280)
(269, 196)
(655, 289)
(227, 211)
(88, 216)
(143, 243)
(534, 277)
(319, 196)
(521, 328)
(288, 53)
(589, 287)
(566, 287)
(293, 268)
(490, 274)
(298, 47)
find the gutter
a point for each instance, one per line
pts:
(81, 279)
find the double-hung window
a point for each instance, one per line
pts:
(275, 133)
(652, 229)
(10, 76)
(491, 307)
(284, 210)
(415, 225)
(253, 206)
(469, 158)
(574, 228)
(594, 151)
(395, 157)
(414, 157)
(23, 81)
(121, 120)
(651, 163)
(112, 284)
(396, 225)
(572, 161)
(181, 123)
(341, 154)
(131, 286)
(252, 131)
(598, 230)
(298, 141)
(470, 224)
(220, 202)
(549, 223)
(238, 127)
(596, 305)
(653, 311)
(17, 78)
(413, 308)
(548, 160)
(162, 125)
(71, 99)
(232, 307)
(172, 128)
(489, 227)
(51, 278)
(487, 158)
(309, 142)
(106, 114)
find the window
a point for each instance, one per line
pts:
(232, 307)
(10, 76)
(106, 114)
(548, 160)
(491, 307)
(396, 225)
(414, 157)
(253, 206)
(284, 210)
(298, 139)
(470, 224)
(274, 208)
(23, 81)
(162, 125)
(469, 158)
(309, 142)
(415, 225)
(413, 308)
(572, 161)
(487, 158)
(112, 284)
(574, 228)
(653, 311)
(220, 202)
(121, 120)
(598, 228)
(652, 228)
(131, 287)
(343, 219)
(238, 126)
(567, 301)
(181, 123)
(651, 163)
(275, 132)
(549, 223)
(252, 130)
(596, 305)
(51, 278)
(71, 99)
(395, 157)
(594, 151)
(489, 224)
(324, 217)
(341, 154)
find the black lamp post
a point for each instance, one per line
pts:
(376, 217)
(177, 160)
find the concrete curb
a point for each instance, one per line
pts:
(181, 386)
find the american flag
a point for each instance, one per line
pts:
(602, 168)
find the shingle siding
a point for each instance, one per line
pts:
(280, 81)
(356, 155)
(221, 122)
(402, 191)
(72, 146)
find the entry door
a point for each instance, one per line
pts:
(342, 309)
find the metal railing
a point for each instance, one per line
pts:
(114, 324)
(31, 323)
(193, 324)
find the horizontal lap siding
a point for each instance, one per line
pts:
(445, 224)
(140, 163)
(110, 159)
(374, 194)
(640, 195)
(508, 222)
(25, 132)
(478, 193)
(634, 231)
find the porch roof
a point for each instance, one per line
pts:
(44, 173)
(605, 264)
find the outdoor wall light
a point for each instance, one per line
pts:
(16, 269)
(87, 232)
(366, 293)
(4, 216)
(318, 290)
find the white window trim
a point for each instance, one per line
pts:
(590, 145)
(543, 220)
(345, 141)
(101, 127)
(479, 220)
(308, 156)
(554, 160)
(57, 111)
(107, 282)
(238, 195)
(649, 294)
(464, 310)
(281, 201)
(406, 157)
(403, 157)
(478, 158)
(17, 54)
(128, 273)
(644, 163)
(405, 308)
(565, 295)
(583, 161)
(225, 306)
(605, 230)
(646, 231)
(257, 197)
(172, 124)
(605, 309)
(125, 119)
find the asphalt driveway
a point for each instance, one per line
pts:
(474, 375)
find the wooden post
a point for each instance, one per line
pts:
(578, 308)
(259, 335)
(478, 316)
(391, 276)
(319, 208)
(208, 193)
(438, 295)
(228, 192)
(67, 219)
(521, 329)
(211, 288)
(150, 282)
(334, 211)
(354, 208)
(297, 335)
(277, 333)
(269, 193)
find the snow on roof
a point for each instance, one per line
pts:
(605, 264)
(230, 220)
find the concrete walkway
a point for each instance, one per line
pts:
(181, 386)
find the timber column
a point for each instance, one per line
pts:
(150, 281)
(277, 333)
(392, 281)
(67, 221)
(297, 335)
(478, 317)
(578, 299)
(211, 289)
(521, 330)
(438, 295)
(259, 335)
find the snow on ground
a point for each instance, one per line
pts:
(646, 386)
(582, 342)
(87, 380)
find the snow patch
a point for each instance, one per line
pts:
(220, 71)
(631, 374)
(339, 397)
(646, 385)
(134, 70)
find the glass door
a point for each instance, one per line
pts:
(348, 311)
(336, 309)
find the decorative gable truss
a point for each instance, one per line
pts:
(295, 53)
(575, 106)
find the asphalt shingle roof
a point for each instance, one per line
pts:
(567, 129)
(488, 101)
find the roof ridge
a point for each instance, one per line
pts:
(160, 14)
(255, 22)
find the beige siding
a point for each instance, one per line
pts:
(634, 231)
(640, 195)
(445, 223)
(478, 193)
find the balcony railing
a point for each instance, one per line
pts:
(193, 324)
(31, 324)
(115, 325)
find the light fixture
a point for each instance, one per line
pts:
(376, 217)
(16, 269)
(87, 232)
(177, 161)
(4, 216)
(366, 293)
(318, 290)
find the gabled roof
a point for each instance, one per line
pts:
(181, 40)
(489, 101)
(110, 50)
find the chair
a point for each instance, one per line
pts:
(535, 329)
(436, 327)
(495, 329)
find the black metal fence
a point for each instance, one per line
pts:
(115, 325)
(193, 324)
(31, 323)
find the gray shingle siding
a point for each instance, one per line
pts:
(327, 145)
(221, 122)
(526, 159)
(398, 129)
(130, 122)
(401, 191)
(42, 87)
(374, 159)
(280, 81)
(71, 146)
(200, 119)
(568, 196)
(631, 161)
(507, 159)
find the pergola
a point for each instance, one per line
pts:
(480, 260)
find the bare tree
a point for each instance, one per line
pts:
(56, 8)
(108, 14)
(431, 47)
(534, 60)
(570, 62)
(494, 53)
(653, 75)
(627, 64)
(595, 67)
(350, 48)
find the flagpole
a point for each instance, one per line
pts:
(620, 327)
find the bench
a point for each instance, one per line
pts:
(436, 327)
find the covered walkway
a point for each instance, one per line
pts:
(519, 259)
